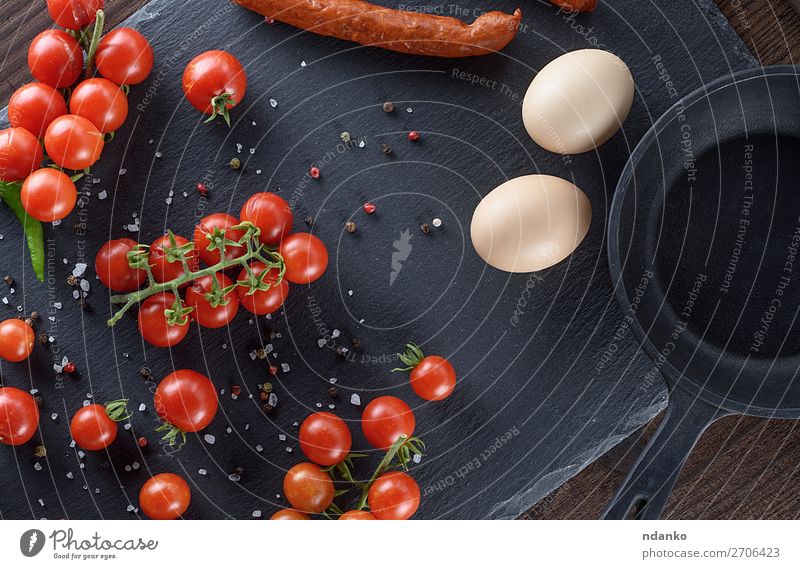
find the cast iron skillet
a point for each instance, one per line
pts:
(704, 246)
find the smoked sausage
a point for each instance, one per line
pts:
(396, 30)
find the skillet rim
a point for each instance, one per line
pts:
(673, 377)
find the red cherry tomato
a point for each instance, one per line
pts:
(271, 214)
(357, 515)
(74, 14)
(55, 58)
(433, 378)
(308, 488)
(205, 313)
(34, 106)
(101, 102)
(112, 268)
(165, 270)
(287, 514)
(223, 222)
(305, 256)
(385, 419)
(325, 439)
(214, 82)
(153, 324)
(92, 428)
(16, 340)
(263, 301)
(73, 142)
(165, 496)
(20, 154)
(393, 496)
(124, 56)
(187, 400)
(48, 194)
(19, 416)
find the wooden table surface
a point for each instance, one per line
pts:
(742, 467)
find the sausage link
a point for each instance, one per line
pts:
(397, 30)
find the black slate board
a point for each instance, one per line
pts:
(537, 398)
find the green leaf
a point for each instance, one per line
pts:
(34, 233)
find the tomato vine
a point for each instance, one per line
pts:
(138, 258)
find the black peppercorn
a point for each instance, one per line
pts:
(145, 372)
(9, 280)
(425, 228)
(266, 408)
(388, 107)
(350, 226)
(386, 149)
(356, 343)
(333, 392)
(309, 220)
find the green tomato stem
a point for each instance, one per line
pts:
(382, 466)
(97, 35)
(253, 252)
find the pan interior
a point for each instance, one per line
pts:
(709, 244)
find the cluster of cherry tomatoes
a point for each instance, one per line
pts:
(325, 439)
(212, 297)
(71, 117)
(387, 421)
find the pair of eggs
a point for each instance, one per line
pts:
(576, 103)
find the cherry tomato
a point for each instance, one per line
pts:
(73, 142)
(223, 222)
(20, 154)
(34, 106)
(263, 301)
(271, 214)
(305, 256)
(93, 428)
(433, 378)
(153, 323)
(308, 488)
(186, 399)
(357, 515)
(112, 268)
(205, 313)
(165, 496)
(19, 416)
(325, 439)
(74, 14)
(165, 270)
(55, 58)
(101, 102)
(393, 496)
(214, 82)
(385, 419)
(287, 514)
(48, 194)
(124, 56)
(16, 340)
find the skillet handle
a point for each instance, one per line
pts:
(647, 486)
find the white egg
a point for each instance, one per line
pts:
(530, 223)
(578, 101)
